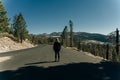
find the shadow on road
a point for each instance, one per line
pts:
(77, 71)
(40, 62)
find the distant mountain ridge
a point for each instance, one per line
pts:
(85, 36)
(90, 36)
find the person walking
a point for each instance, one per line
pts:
(57, 48)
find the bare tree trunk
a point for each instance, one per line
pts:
(117, 41)
(71, 33)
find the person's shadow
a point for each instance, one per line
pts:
(43, 62)
(74, 71)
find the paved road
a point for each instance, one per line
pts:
(44, 55)
(38, 64)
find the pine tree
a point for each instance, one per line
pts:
(4, 21)
(19, 26)
(117, 41)
(11, 31)
(16, 27)
(65, 37)
(114, 55)
(71, 33)
(79, 45)
(107, 51)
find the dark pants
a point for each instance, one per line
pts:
(57, 56)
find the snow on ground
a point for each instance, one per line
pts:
(2, 59)
(7, 44)
(86, 53)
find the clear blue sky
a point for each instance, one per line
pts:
(46, 16)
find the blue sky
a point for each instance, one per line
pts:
(46, 16)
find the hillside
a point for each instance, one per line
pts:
(90, 36)
(7, 44)
(85, 36)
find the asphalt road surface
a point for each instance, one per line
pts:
(38, 64)
(43, 54)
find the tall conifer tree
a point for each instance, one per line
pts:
(4, 21)
(71, 33)
(19, 26)
(65, 37)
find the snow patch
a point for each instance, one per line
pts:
(7, 44)
(2, 59)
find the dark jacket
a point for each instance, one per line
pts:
(56, 46)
